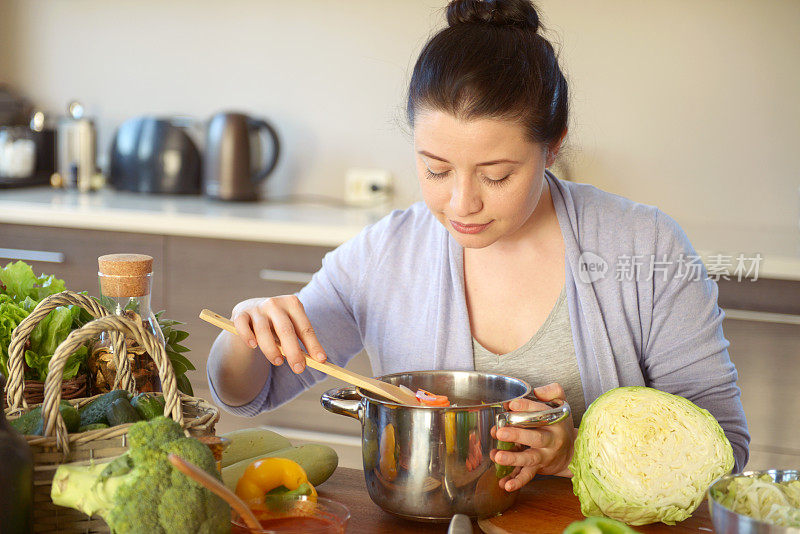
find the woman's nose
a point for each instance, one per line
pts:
(465, 198)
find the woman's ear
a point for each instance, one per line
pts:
(552, 150)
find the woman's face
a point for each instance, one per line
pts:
(481, 178)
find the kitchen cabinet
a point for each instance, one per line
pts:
(763, 295)
(71, 253)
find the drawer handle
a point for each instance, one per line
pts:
(292, 277)
(31, 255)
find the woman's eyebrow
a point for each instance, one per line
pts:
(493, 162)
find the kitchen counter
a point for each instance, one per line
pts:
(323, 224)
(545, 506)
(193, 216)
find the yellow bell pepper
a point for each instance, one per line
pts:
(279, 476)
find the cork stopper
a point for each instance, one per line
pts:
(125, 275)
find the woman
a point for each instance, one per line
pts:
(504, 268)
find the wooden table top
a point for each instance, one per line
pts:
(545, 506)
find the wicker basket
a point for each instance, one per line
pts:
(56, 446)
(74, 388)
(32, 391)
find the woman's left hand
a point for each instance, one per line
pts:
(546, 450)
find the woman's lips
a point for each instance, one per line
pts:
(469, 228)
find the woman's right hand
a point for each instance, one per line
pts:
(260, 321)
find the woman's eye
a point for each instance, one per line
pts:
(495, 181)
(435, 175)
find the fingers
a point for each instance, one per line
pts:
(518, 478)
(266, 342)
(550, 392)
(246, 334)
(306, 332)
(277, 325)
(524, 476)
(512, 476)
(527, 405)
(284, 328)
(538, 438)
(525, 458)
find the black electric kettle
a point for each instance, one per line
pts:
(229, 171)
(155, 155)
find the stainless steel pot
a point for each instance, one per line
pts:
(427, 463)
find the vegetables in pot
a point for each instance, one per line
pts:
(643, 455)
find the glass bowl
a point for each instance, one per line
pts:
(296, 515)
(217, 445)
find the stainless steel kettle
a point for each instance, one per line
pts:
(230, 167)
(76, 150)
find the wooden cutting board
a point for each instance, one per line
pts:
(547, 506)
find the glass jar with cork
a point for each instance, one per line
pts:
(126, 282)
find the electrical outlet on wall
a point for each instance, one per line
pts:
(367, 187)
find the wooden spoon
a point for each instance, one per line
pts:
(201, 477)
(384, 389)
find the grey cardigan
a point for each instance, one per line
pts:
(397, 291)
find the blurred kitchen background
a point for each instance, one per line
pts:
(689, 106)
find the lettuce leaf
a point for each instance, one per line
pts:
(11, 314)
(52, 330)
(47, 336)
(48, 285)
(19, 280)
(20, 283)
(20, 292)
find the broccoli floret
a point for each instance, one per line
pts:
(140, 491)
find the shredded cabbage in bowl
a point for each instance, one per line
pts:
(763, 499)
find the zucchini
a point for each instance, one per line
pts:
(121, 412)
(25, 423)
(251, 442)
(318, 461)
(501, 470)
(72, 420)
(148, 405)
(95, 411)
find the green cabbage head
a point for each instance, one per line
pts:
(643, 455)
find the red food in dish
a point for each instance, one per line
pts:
(294, 525)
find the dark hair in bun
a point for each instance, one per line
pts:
(520, 14)
(491, 62)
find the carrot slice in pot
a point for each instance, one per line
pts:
(430, 399)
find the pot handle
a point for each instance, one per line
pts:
(343, 401)
(559, 410)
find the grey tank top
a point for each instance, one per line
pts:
(549, 356)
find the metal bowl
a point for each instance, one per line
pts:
(726, 521)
